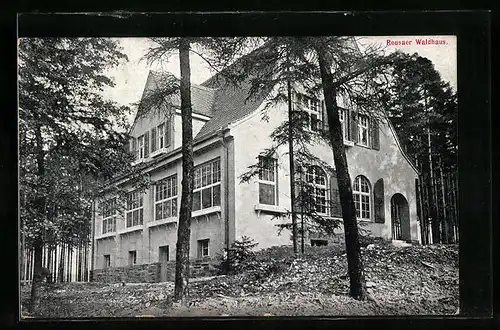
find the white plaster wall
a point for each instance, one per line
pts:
(251, 136)
(197, 125)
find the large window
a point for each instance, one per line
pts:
(316, 179)
(363, 125)
(267, 181)
(206, 192)
(166, 198)
(362, 198)
(135, 208)
(109, 216)
(314, 113)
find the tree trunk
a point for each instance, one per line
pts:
(445, 215)
(181, 291)
(354, 263)
(61, 265)
(40, 211)
(37, 278)
(292, 172)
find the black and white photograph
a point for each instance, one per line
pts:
(238, 176)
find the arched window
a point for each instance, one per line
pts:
(316, 178)
(362, 197)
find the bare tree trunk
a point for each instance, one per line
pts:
(40, 210)
(445, 216)
(181, 291)
(354, 263)
(61, 265)
(292, 172)
(37, 278)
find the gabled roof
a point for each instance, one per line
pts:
(230, 104)
(202, 98)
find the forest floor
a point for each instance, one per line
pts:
(415, 280)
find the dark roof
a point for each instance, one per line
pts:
(202, 98)
(230, 104)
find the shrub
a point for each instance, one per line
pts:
(239, 257)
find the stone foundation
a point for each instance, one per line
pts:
(148, 273)
(151, 273)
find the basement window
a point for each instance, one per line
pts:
(107, 261)
(203, 248)
(132, 258)
(319, 242)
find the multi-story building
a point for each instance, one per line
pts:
(229, 134)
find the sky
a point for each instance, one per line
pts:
(130, 77)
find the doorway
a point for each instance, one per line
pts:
(164, 258)
(400, 218)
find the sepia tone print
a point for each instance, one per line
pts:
(274, 176)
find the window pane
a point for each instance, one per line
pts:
(174, 207)
(266, 194)
(196, 200)
(141, 216)
(206, 198)
(129, 219)
(167, 208)
(216, 171)
(158, 212)
(216, 195)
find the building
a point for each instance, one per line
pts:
(229, 135)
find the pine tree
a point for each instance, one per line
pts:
(67, 128)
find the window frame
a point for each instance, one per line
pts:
(344, 119)
(140, 149)
(363, 128)
(109, 218)
(360, 195)
(201, 248)
(214, 171)
(262, 177)
(315, 186)
(131, 210)
(312, 106)
(172, 179)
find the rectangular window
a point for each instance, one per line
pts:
(267, 180)
(166, 198)
(107, 261)
(160, 132)
(363, 130)
(109, 216)
(139, 153)
(206, 192)
(314, 112)
(203, 248)
(343, 123)
(132, 258)
(135, 208)
(164, 253)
